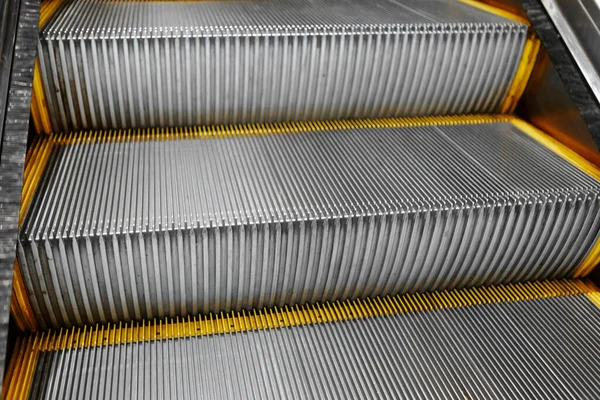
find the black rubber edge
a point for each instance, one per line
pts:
(13, 146)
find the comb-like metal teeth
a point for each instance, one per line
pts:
(543, 348)
(139, 226)
(110, 64)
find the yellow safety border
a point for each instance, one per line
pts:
(593, 257)
(35, 162)
(39, 108)
(260, 129)
(19, 373)
(523, 74)
(528, 58)
(22, 364)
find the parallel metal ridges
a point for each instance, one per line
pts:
(124, 229)
(154, 64)
(539, 348)
(101, 18)
(39, 111)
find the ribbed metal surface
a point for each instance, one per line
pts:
(148, 64)
(532, 349)
(121, 230)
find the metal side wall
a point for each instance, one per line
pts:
(14, 129)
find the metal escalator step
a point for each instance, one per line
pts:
(516, 341)
(121, 64)
(145, 224)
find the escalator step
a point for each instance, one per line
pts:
(146, 224)
(121, 64)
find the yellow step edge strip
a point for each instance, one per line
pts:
(557, 147)
(523, 74)
(39, 109)
(528, 57)
(13, 366)
(18, 377)
(496, 11)
(589, 262)
(260, 129)
(20, 306)
(594, 295)
(16, 310)
(38, 154)
(22, 364)
(35, 163)
(592, 259)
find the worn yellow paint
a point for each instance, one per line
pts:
(557, 147)
(47, 9)
(35, 162)
(39, 108)
(19, 306)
